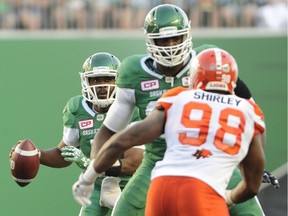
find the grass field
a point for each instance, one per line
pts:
(38, 76)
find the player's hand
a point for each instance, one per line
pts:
(11, 151)
(14, 147)
(270, 179)
(73, 154)
(82, 191)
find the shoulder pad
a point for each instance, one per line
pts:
(129, 71)
(73, 104)
(132, 60)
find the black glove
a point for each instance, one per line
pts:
(270, 179)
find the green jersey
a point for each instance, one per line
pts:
(81, 123)
(139, 73)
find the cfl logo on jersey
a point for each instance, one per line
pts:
(86, 124)
(185, 81)
(100, 117)
(150, 85)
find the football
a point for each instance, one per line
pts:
(24, 162)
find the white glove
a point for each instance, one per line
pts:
(73, 154)
(110, 191)
(82, 189)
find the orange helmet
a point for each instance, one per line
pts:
(214, 69)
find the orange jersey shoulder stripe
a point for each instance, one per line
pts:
(172, 92)
(257, 109)
(258, 128)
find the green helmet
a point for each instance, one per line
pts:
(99, 65)
(165, 21)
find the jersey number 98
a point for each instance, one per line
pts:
(202, 125)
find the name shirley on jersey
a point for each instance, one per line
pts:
(217, 98)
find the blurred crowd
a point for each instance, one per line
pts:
(130, 14)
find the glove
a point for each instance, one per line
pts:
(73, 154)
(110, 191)
(82, 191)
(270, 179)
(11, 151)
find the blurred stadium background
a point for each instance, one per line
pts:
(39, 73)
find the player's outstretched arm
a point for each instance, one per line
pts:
(101, 137)
(132, 160)
(252, 168)
(139, 133)
(52, 157)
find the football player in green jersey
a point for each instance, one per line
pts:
(142, 80)
(82, 117)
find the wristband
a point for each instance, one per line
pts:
(90, 175)
(228, 198)
(114, 170)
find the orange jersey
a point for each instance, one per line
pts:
(207, 135)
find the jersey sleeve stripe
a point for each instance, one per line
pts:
(174, 91)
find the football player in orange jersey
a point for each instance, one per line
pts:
(209, 131)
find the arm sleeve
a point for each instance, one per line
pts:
(71, 136)
(121, 110)
(70, 129)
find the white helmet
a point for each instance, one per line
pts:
(99, 65)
